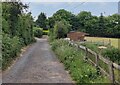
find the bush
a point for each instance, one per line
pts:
(91, 46)
(61, 29)
(51, 35)
(10, 48)
(38, 32)
(113, 54)
(80, 71)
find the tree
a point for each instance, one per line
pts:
(101, 26)
(61, 29)
(83, 17)
(25, 28)
(91, 26)
(61, 14)
(42, 20)
(10, 12)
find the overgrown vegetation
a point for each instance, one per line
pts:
(10, 48)
(80, 71)
(38, 32)
(110, 52)
(61, 28)
(17, 30)
(113, 54)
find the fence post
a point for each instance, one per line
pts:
(86, 54)
(97, 59)
(109, 42)
(111, 72)
(97, 64)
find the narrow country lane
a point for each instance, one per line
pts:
(37, 65)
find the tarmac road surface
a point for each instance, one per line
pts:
(37, 65)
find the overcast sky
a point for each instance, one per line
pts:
(108, 8)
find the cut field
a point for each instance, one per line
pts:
(113, 41)
(46, 31)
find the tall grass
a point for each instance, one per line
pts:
(72, 58)
(110, 52)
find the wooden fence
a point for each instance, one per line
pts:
(113, 72)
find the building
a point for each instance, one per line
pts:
(76, 36)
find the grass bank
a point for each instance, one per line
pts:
(72, 58)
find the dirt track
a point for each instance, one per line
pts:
(37, 65)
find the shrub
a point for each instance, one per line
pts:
(10, 48)
(91, 46)
(51, 35)
(38, 32)
(61, 29)
(113, 54)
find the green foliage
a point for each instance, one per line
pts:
(5, 26)
(59, 16)
(25, 28)
(91, 46)
(113, 54)
(42, 21)
(10, 12)
(61, 29)
(17, 30)
(10, 48)
(102, 26)
(51, 35)
(38, 32)
(80, 71)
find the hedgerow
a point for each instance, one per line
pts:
(17, 28)
(10, 48)
(113, 54)
(38, 32)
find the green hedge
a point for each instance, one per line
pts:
(113, 54)
(17, 28)
(38, 32)
(10, 48)
(80, 71)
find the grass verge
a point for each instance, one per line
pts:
(72, 58)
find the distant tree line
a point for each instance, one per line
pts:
(102, 26)
(17, 30)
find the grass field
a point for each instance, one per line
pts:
(46, 31)
(114, 41)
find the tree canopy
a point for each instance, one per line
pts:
(100, 26)
(42, 21)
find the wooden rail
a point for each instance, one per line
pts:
(99, 57)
